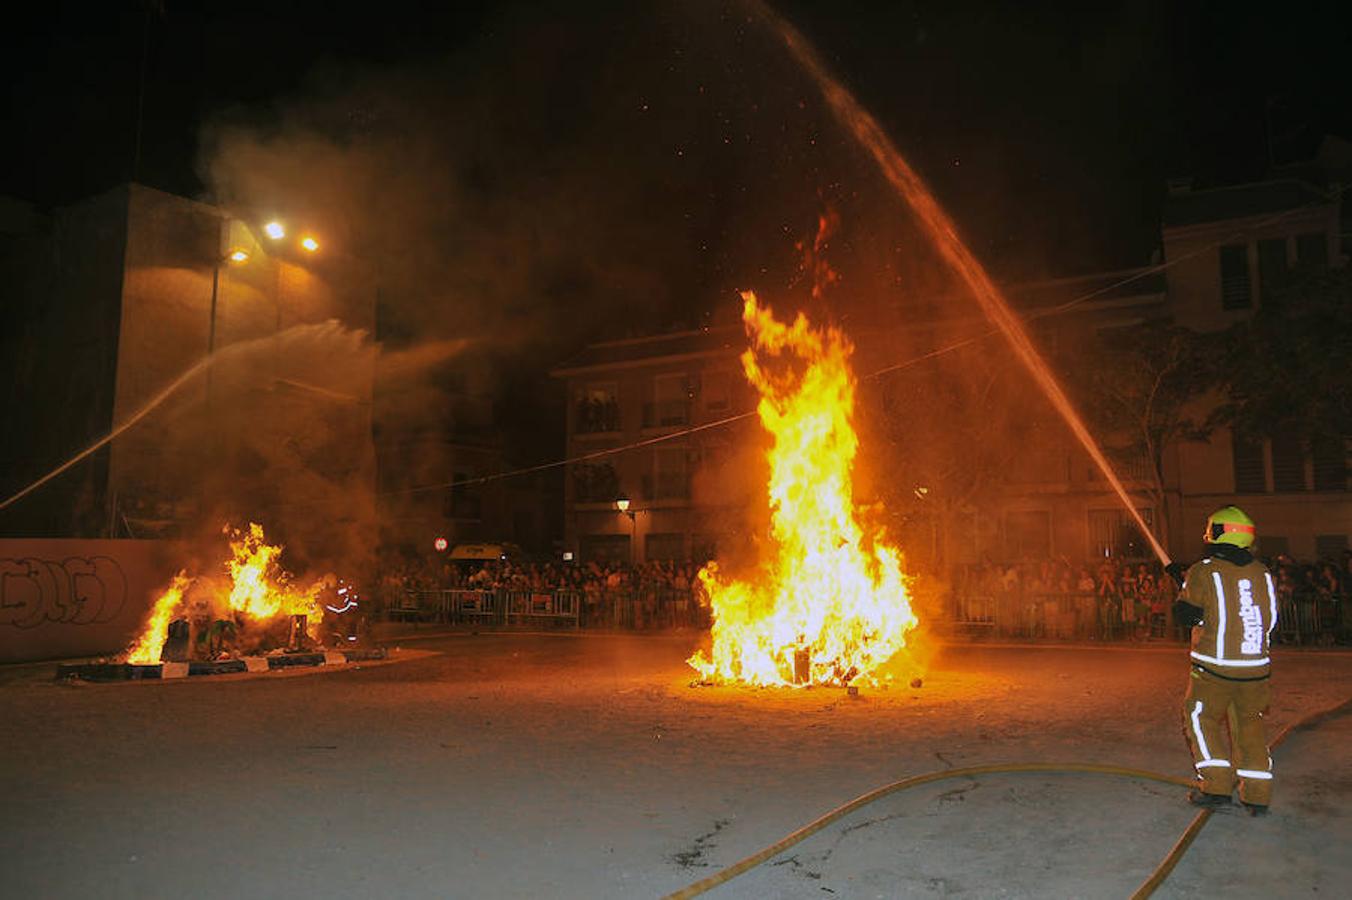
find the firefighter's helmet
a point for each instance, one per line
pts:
(1230, 525)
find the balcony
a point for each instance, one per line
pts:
(595, 417)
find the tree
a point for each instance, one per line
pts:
(1286, 370)
(941, 439)
(1139, 388)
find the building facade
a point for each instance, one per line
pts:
(1232, 251)
(242, 360)
(1226, 250)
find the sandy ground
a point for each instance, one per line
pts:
(585, 766)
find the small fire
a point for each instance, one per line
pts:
(257, 591)
(828, 604)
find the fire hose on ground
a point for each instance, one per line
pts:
(1147, 888)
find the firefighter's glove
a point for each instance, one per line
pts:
(1177, 571)
(1186, 614)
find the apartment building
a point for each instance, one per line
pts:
(683, 477)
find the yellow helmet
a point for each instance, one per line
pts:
(1230, 525)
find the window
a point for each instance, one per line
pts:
(671, 475)
(703, 547)
(1250, 473)
(1312, 250)
(664, 547)
(1288, 463)
(717, 391)
(605, 548)
(1274, 545)
(1272, 268)
(670, 404)
(1330, 546)
(1113, 533)
(1028, 535)
(595, 483)
(1235, 277)
(1330, 464)
(598, 409)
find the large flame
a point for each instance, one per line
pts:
(147, 648)
(260, 587)
(828, 603)
(258, 591)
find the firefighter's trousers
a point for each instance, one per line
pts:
(1211, 705)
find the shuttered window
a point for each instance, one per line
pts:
(1250, 477)
(1288, 463)
(1330, 464)
(1235, 290)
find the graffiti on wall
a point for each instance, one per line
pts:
(79, 590)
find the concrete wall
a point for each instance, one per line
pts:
(278, 428)
(61, 599)
(60, 278)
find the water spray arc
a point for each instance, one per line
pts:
(327, 331)
(866, 130)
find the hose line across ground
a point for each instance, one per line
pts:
(839, 812)
(1166, 866)
(1145, 890)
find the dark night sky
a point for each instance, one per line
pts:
(1048, 130)
(1082, 108)
(583, 170)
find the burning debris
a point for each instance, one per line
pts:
(828, 603)
(253, 608)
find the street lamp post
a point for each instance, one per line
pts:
(224, 254)
(622, 504)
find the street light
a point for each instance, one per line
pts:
(309, 243)
(274, 230)
(622, 504)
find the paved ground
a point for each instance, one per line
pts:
(584, 766)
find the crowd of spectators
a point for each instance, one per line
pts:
(1134, 599)
(591, 576)
(1048, 597)
(1125, 599)
(604, 586)
(1314, 598)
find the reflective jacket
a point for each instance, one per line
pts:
(1239, 608)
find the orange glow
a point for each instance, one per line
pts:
(828, 589)
(260, 588)
(147, 648)
(257, 591)
(309, 243)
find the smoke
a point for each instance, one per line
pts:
(573, 175)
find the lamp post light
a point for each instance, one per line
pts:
(225, 254)
(622, 504)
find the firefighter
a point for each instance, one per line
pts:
(1231, 603)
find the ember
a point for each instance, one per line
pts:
(828, 604)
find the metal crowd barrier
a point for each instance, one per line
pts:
(1080, 615)
(1301, 619)
(1311, 618)
(650, 608)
